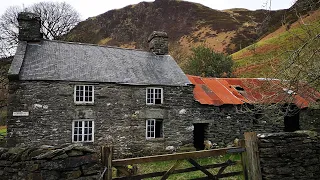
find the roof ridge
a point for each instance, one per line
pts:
(88, 44)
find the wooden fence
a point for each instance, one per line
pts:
(247, 149)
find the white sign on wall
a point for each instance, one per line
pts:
(20, 113)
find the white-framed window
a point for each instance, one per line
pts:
(154, 128)
(154, 96)
(84, 94)
(83, 131)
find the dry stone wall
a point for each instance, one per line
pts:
(290, 156)
(49, 163)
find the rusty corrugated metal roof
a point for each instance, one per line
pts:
(220, 91)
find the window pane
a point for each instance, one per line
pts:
(80, 130)
(86, 88)
(80, 137)
(75, 130)
(87, 98)
(81, 87)
(85, 137)
(157, 101)
(75, 138)
(80, 123)
(90, 130)
(85, 130)
(86, 124)
(90, 123)
(76, 124)
(90, 88)
(90, 137)
(152, 122)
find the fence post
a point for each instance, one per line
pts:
(106, 158)
(251, 142)
(244, 161)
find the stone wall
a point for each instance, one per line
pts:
(49, 163)
(227, 122)
(120, 113)
(310, 119)
(290, 156)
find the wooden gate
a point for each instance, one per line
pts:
(249, 162)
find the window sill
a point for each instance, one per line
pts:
(84, 143)
(83, 104)
(155, 139)
(153, 104)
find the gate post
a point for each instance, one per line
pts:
(106, 158)
(253, 159)
(244, 161)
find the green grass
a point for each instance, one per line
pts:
(3, 130)
(3, 133)
(165, 165)
(273, 51)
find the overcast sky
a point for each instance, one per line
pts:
(89, 8)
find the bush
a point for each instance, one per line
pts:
(207, 63)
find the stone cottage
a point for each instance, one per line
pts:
(61, 92)
(140, 102)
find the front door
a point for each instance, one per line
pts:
(199, 135)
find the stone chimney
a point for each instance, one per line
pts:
(29, 27)
(158, 42)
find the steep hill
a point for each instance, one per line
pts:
(292, 49)
(187, 24)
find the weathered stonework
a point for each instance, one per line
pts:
(290, 155)
(120, 113)
(29, 27)
(48, 162)
(310, 119)
(158, 42)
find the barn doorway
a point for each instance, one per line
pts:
(291, 119)
(291, 123)
(199, 133)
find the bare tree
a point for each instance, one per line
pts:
(9, 31)
(57, 18)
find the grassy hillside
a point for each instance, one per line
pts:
(264, 58)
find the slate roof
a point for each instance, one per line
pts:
(236, 91)
(56, 60)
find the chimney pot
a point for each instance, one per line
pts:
(158, 42)
(29, 27)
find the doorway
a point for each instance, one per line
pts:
(199, 135)
(291, 122)
(291, 119)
